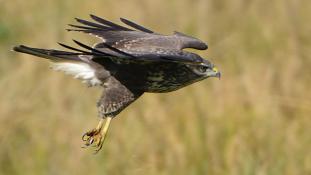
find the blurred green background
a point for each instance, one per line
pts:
(255, 120)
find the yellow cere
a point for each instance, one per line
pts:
(215, 69)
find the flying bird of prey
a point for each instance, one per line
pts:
(128, 62)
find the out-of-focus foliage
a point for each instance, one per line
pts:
(255, 120)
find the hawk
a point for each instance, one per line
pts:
(128, 62)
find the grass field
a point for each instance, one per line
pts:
(254, 121)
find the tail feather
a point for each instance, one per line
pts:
(76, 64)
(53, 55)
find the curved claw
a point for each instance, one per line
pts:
(97, 150)
(96, 137)
(83, 137)
(99, 147)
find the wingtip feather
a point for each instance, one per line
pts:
(135, 26)
(19, 48)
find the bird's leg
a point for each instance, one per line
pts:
(90, 136)
(96, 137)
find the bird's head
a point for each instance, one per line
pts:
(205, 69)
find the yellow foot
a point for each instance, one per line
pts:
(96, 137)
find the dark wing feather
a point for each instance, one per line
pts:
(81, 28)
(91, 24)
(54, 55)
(74, 49)
(106, 51)
(151, 54)
(135, 26)
(95, 51)
(104, 54)
(109, 24)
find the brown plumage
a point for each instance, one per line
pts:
(127, 63)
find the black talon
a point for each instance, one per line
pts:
(83, 137)
(98, 149)
(98, 144)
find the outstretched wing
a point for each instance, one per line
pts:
(109, 32)
(115, 98)
(146, 54)
(141, 42)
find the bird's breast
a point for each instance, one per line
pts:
(164, 77)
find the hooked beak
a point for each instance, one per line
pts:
(216, 72)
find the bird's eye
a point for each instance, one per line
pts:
(203, 68)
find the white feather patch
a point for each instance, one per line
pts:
(79, 70)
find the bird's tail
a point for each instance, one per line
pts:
(53, 55)
(73, 63)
